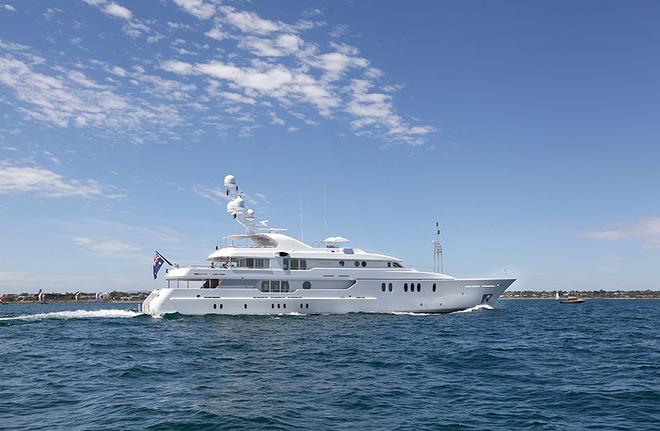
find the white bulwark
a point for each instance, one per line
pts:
(273, 273)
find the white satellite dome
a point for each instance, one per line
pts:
(249, 214)
(236, 206)
(230, 182)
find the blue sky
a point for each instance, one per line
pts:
(529, 130)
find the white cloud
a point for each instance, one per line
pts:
(250, 22)
(106, 246)
(9, 7)
(117, 10)
(198, 8)
(43, 182)
(217, 33)
(646, 230)
(68, 97)
(178, 67)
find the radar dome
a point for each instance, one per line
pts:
(249, 214)
(230, 182)
(236, 206)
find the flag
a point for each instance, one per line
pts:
(158, 262)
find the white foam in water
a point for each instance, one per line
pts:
(478, 307)
(77, 314)
(410, 313)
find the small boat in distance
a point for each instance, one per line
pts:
(568, 299)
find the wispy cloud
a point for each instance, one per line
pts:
(239, 69)
(46, 183)
(8, 7)
(66, 97)
(111, 247)
(646, 230)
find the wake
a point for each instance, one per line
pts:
(478, 307)
(77, 314)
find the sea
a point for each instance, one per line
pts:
(524, 364)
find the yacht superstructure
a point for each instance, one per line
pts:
(277, 274)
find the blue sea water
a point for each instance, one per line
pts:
(528, 364)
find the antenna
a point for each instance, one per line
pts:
(325, 209)
(302, 232)
(438, 264)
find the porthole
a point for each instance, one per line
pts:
(215, 306)
(341, 263)
(300, 305)
(356, 263)
(272, 305)
(245, 306)
(364, 263)
(283, 305)
(382, 287)
(278, 305)
(389, 287)
(405, 287)
(306, 305)
(434, 287)
(221, 306)
(419, 287)
(307, 285)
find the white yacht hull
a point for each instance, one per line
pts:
(364, 296)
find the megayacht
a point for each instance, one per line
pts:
(276, 274)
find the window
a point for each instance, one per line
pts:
(274, 286)
(283, 305)
(297, 264)
(307, 285)
(364, 263)
(405, 287)
(215, 306)
(286, 263)
(278, 305)
(341, 263)
(245, 306)
(397, 265)
(272, 305)
(389, 287)
(434, 287)
(221, 306)
(389, 264)
(211, 284)
(383, 287)
(419, 287)
(357, 263)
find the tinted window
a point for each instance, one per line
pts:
(307, 285)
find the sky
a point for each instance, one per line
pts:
(529, 130)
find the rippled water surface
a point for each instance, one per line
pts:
(526, 364)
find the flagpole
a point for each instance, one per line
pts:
(168, 262)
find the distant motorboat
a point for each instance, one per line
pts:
(568, 299)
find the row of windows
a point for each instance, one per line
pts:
(295, 264)
(389, 287)
(215, 306)
(245, 262)
(274, 286)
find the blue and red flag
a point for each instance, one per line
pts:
(159, 260)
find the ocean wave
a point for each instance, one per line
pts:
(76, 314)
(478, 307)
